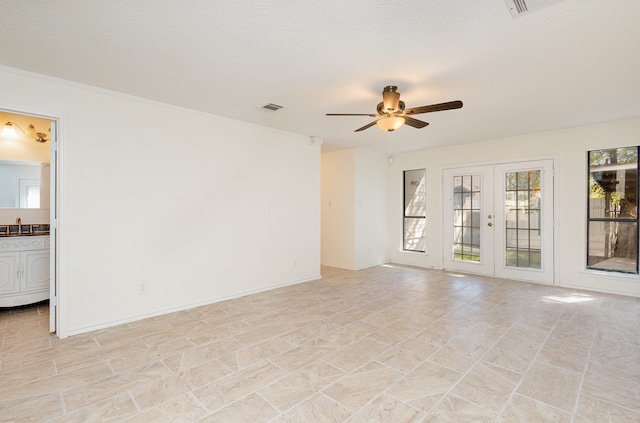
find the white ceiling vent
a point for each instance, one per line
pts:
(272, 107)
(522, 7)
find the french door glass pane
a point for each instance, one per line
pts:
(467, 198)
(523, 241)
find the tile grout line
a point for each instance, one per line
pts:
(450, 390)
(524, 374)
(583, 376)
(427, 359)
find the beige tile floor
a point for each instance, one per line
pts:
(386, 344)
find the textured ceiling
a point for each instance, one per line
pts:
(572, 63)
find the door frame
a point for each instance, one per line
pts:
(57, 208)
(445, 208)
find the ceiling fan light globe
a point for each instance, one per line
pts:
(390, 123)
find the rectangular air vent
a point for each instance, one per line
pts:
(521, 7)
(272, 107)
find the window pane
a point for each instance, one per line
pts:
(475, 201)
(414, 234)
(512, 218)
(523, 219)
(535, 240)
(534, 199)
(534, 219)
(475, 237)
(523, 199)
(475, 219)
(534, 180)
(466, 183)
(475, 184)
(511, 181)
(613, 246)
(466, 214)
(457, 217)
(457, 235)
(414, 193)
(466, 200)
(613, 183)
(523, 181)
(512, 238)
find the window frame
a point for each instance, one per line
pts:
(590, 219)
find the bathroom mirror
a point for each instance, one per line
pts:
(24, 185)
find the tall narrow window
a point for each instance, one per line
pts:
(613, 210)
(415, 210)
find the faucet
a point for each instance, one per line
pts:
(19, 223)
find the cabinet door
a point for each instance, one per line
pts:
(36, 270)
(9, 282)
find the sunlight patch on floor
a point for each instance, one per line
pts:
(568, 299)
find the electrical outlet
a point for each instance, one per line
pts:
(143, 288)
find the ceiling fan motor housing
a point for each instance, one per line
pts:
(390, 98)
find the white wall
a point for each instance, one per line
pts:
(568, 149)
(354, 208)
(199, 207)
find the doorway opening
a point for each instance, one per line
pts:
(28, 212)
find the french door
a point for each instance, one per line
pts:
(498, 220)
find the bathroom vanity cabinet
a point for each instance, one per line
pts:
(24, 270)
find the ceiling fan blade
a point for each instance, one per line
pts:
(352, 114)
(369, 125)
(434, 108)
(415, 122)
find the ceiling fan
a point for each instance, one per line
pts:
(392, 113)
